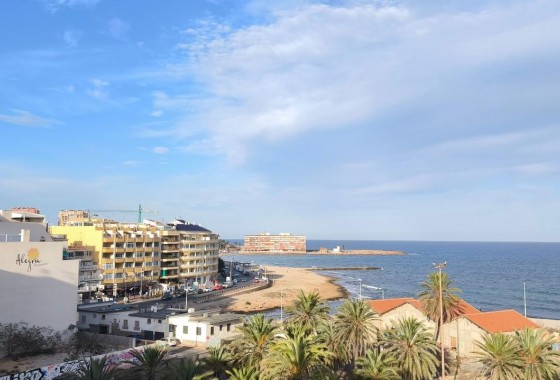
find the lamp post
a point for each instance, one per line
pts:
(360, 280)
(281, 303)
(524, 300)
(439, 267)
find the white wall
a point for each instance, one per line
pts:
(206, 336)
(40, 288)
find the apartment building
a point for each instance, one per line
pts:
(90, 277)
(281, 243)
(141, 257)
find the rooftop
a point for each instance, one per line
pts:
(383, 306)
(500, 321)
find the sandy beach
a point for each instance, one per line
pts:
(286, 282)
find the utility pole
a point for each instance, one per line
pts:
(439, 267)
(281, 303)
(525, 300)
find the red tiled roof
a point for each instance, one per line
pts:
(500, 321)
(383, 306)
(467, 308)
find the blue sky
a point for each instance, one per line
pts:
(374, 120)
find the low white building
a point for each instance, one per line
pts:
(36, 285)
(204, 327)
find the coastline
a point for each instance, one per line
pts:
(373, 252)
(287, 282)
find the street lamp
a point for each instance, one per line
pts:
(439, 267)
(524, 300)
(360, 280)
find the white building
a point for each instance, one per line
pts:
(36, 285)
(204, 327)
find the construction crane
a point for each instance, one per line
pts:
(139, 211)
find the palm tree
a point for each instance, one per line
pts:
(243, 373)
(328, 335)
(430, 299)
(535, 349)
(186, 369)
(413, 348)
(499, 356)
(256, 335)
(149, 362)
(93, 369)
(309, 311)
(295, 356)
(355, 330)
(217, 360)
(377, 365)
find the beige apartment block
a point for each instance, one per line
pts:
(281, 243)
(148, 256)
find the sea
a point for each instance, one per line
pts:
(490, 275)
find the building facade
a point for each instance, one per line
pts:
(281, 243)
(138, 258)
(36, 285)
(204, 327)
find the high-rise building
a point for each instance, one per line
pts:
(140, 257)
(281, 243)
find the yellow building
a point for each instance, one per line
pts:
(140, 257)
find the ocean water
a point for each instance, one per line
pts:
(491, 275)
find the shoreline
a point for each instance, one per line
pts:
(287, 282)
(373, 252)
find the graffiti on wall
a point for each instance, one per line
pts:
(52, 371)
(33, 374)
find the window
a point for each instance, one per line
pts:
(125, 324)
(185, 330)
(159, 321)
(198, 331)
(212, 330)
(453, 342)
(149, 321)
(228, 326)
(83, 319)
(221, 327)
(102, 317)
(94, 315)
(137, 325)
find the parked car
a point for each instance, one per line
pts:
(171, 342)
(218, 287)
(167, 297)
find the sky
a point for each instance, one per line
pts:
(335, 119)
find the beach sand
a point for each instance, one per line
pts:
(285, 281)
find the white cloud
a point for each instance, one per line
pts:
(27, 119)
(156, 113)
(98, 89)
(54, 5)
(160, 150)
(118, 28)
(322, 67)
(72, 37)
